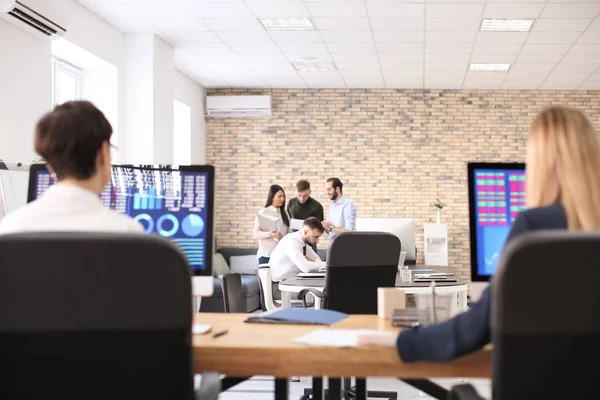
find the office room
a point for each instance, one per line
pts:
(279, 152)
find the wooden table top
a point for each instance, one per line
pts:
(267, 349)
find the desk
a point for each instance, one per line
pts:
(456, 290)
(267, 349)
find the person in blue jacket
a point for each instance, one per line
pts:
(563, 192)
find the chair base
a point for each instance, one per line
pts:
(351, 394)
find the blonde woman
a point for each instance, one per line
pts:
(275, 207)
(563, 192)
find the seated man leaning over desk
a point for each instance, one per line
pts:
(294, 254)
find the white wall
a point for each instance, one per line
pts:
(193, 95)
(164, 78)
(25, 90)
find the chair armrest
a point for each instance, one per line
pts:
(302, 295)
(464, 392)
(210, 387)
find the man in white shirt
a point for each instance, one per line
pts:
(293, 254)
(74, 139)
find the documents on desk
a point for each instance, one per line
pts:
(336, 337)
(268, 223)
(300, 316)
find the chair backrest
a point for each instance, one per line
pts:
(545, 321)
(265, 284)
(359, 263)
(94, 316)
(233, 296)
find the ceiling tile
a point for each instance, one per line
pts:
(585, 49)
(399, 47)
(396, 74)
(401, 67)
(590, 37)
(292, 47)
(191, 23)
(257, 37)
(361, 48)
(221, 10)
(595, 26)
(456, 69)
(320, 75)
(529, 48)
(589, 84)
(282, 9)
(582, 59)
(570, 76)
(286, 83)
(263, 58)
(513, 10)
(161, 11)
(492, 58)
(448, 48)
(531, 67)
(349, 10)
(497, 48)
(401, 57)
(447, 58)
(374, 74)
(254, 48)
(502, 37)
(234, 24)
(182, 36)
(570, 84)
(354, 58)
(441, 84)
(452, 24)
(342, 24)
(399, 37)
(454, 10)
(137, 25)
(404, 83)
(281, 70)
(198, 49)
(570, 68)
(560, 25)
(347, 36)
(363, 67)
(397, 24)
(483, 84)
(582, 10)
(302, 36)
(521, 84)
(450, 37)
(538, 58)
(310, 57)
(109, 12)
(400, 10)
(552, 37)
(365, 84)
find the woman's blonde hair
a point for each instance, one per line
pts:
(563, 166)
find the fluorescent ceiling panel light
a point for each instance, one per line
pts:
(312, 66)
(506, 25)
(489, 67)
(287, 23)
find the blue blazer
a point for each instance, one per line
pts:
(470, 330)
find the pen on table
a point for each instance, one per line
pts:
(220, 333)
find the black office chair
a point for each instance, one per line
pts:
(544, 336)
(233, 297)
(96, 316)
(357, 264)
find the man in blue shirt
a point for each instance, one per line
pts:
(341, 216)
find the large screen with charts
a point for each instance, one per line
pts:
(496, 196)
(175, 202)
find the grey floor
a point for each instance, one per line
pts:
(260, 388)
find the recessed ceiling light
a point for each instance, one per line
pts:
(489, 67)
(312, 66)
(287, 23)
(506, 25)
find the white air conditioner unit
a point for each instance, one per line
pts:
(41, 17)
(238, 106)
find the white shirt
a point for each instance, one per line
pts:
(287, 260)
(69, 209)
(266, 243)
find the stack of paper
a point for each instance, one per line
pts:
(335, 337)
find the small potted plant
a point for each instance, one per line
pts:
(439, 205)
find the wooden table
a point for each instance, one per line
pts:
(267, 349)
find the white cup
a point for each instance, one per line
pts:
(402, 257)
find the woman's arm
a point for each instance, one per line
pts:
(257, 233)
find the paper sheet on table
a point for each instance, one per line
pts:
(335, 337)
(296, 224)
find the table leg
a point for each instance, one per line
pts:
(335, 389)
(361, 389)
(317, 387)
(425, 385)
(281, 389)
(286, 299)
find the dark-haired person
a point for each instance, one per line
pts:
(341, 216)
(303, 206)
(275, 207)
(294, 254)
(74, 139)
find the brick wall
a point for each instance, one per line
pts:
(396, 151)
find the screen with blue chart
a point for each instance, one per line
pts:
(173, 202)
(496, 196)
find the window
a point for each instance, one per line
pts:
(66, 82)
(182, 129)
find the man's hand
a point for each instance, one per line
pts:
(327, 226)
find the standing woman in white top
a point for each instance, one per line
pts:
(275, 207)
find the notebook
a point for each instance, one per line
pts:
(300, 316)
(268, 223)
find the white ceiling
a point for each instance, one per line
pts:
(374, 44)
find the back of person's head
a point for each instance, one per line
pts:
(335, 183)
(70, 137)
(563, 165)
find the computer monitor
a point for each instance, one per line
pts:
(496, 196)
(14, 180)
(403, 228)
(175, 202)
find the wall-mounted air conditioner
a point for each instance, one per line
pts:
(41, 17)
(238, 106)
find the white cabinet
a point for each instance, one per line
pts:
(436, 244)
